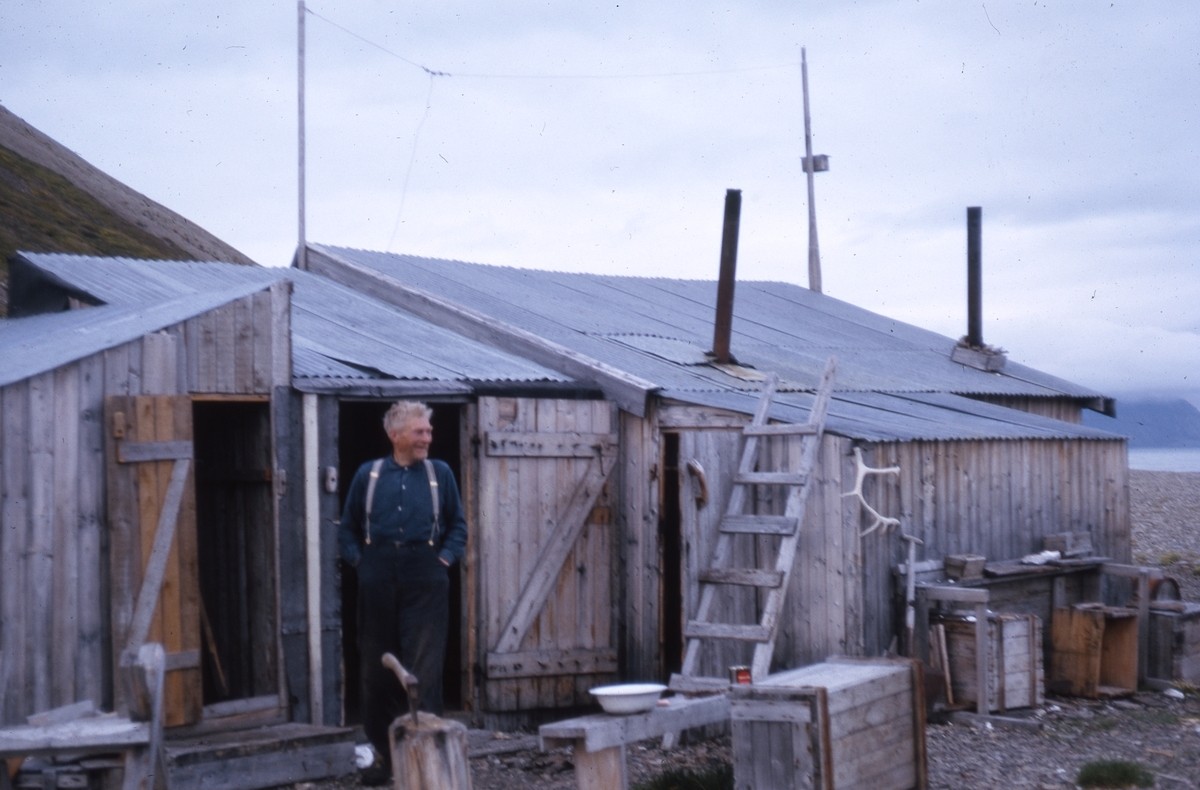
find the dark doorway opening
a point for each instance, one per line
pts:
(235, 538)
(670, 539)
(361, 439)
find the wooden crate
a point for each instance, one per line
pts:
(1174, 641)
(1095, 651)
(844, 724)
(1015, 672)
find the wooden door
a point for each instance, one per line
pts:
(545, 551)
(152, 517)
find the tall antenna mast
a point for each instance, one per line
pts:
(819, 164)
(302, 247)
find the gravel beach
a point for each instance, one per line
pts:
(1157, 731)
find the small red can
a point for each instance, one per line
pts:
(740, 675)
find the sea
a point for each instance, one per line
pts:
(1165, 459)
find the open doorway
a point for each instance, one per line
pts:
(670, 541)
(235, 539)
(361, 439)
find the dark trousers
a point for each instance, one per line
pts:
(403, 609)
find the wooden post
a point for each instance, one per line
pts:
(302, 248)
(600, 770)
(814, 250)
(981, 659)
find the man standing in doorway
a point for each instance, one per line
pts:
(402, 528)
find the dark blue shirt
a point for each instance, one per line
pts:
(403, 510)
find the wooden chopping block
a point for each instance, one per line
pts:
(430, 754)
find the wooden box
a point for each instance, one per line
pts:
(848, 723)
(1174, 641)
(964, 566)
(1015, 670)
(1095, 651)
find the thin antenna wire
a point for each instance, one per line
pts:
(412, 158)
(653, 75)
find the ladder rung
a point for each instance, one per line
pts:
(695, 684)
(748, 577)
(694, 629)
(771, 478)
(783, 429)
(760, 525)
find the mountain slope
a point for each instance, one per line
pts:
(1152, 423)
(52, 200)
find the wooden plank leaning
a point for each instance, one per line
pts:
(156, 567)
(545, 573)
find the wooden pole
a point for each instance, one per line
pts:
(814, 252)
(312, 551)
(301, 251)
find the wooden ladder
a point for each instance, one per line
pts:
(736, 522)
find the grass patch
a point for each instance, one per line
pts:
(718, 777)
(1114, 773)
(1103, 724)
(1170, 558)
(1164, 717)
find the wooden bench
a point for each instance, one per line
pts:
(75, 728)
(100, 734)
(599, 740)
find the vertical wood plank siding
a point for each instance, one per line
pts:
(521, 505)
(55, 586)
(1063, 409)
(994, 498)
(640, 554)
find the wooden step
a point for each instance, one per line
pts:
(747, 577)
(689, 684)
(759, 525)
(785, 429)
(264, 757)
(771, 478)
(694, 629)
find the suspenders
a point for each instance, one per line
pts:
(433, 493)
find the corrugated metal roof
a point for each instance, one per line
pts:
(777, 326)
(887, 417)
(40, 343)
(338, 333)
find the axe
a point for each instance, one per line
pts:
(408, 680)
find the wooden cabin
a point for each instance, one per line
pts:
(593, 440)
(116, 421)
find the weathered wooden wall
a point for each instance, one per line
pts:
(1056, 408)
(522, 501)
(637, 511)
(55, 640)
(824, 610)
(993, 498)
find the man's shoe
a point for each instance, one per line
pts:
(375, 776)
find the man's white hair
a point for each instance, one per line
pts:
(403, 411)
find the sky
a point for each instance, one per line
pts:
(602, 137)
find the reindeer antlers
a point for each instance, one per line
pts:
(880, 520)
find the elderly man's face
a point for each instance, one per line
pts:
(411, 440)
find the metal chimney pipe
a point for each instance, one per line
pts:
(723, 327)
(974, 277)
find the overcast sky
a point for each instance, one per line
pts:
(602, 137)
